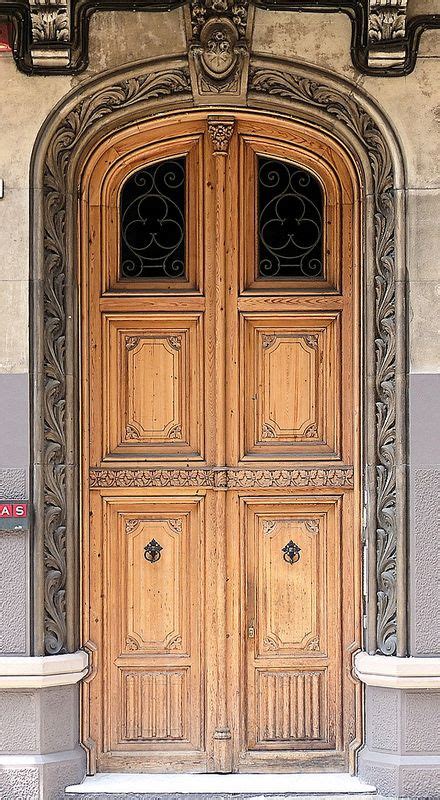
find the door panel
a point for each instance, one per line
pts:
(293, 608)
(161, 418)
(152, 608)
(292, 385)
(220, 430)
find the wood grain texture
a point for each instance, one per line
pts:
(220, 419)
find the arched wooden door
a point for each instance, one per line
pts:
(221, 588)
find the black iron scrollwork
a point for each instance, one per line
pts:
(152, 551)
(291, 552)
(290, 211)
(153, 222)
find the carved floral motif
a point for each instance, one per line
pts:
(50, 21)
(220, 131)
(222, 478)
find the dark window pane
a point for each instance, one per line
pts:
(290, 210)
(153, 222)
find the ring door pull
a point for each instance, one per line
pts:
(152, 551)
(291, 552)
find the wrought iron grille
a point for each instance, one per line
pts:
(153, 222)
(290, 214)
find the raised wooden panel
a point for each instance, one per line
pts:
(290, 706)
(293, 619)
(289, 596)
(155, 601)
(154, 384)
(154, 613)
(292, 402)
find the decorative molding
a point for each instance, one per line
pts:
(347, 110)
(38, 672)
(51, 36)
(222, 478)
(397, 673)
(218, 50)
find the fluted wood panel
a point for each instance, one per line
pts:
(291, 706)
(155, 705)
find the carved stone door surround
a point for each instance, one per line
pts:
(67, 138)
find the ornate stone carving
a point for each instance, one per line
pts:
(50, 33)
(220, 130)
(387, 26)
(55, 37)
(387, 21)
(345, 109)
(218, 50)
(50, 21)
(57, 514)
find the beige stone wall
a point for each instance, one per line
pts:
(411, 103)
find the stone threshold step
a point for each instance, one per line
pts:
(298, 786)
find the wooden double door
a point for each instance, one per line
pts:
(221, 590)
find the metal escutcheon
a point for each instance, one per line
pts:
(291, 552)
(152, 551)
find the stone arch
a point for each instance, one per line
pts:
(68, 137)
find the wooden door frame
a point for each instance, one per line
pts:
(66, 141)
(335, 479)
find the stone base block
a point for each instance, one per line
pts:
(401, 756)
(35, 777)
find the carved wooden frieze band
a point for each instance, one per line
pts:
(225, 478)
(51, 36)
(54, 412)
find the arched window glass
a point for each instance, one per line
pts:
(290, 221)
(153, 222)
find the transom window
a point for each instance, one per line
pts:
(290, 212)
(153, 222)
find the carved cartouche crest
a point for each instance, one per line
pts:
(218, 49)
